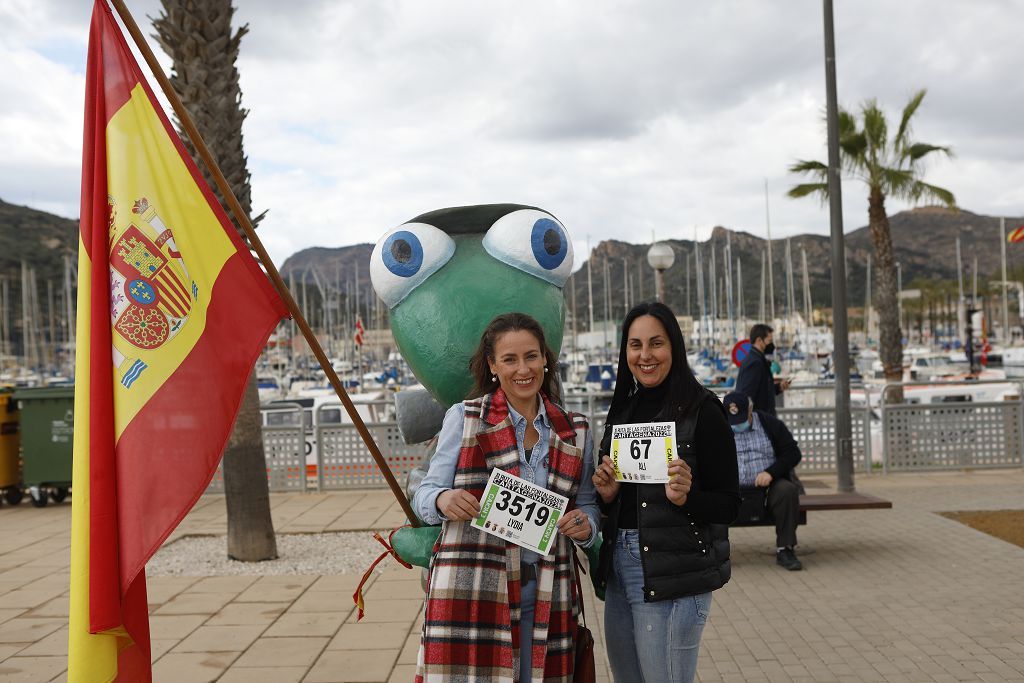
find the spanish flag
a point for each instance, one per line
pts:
(1016, 235)
(172, 314)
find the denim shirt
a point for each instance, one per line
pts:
(441, 474)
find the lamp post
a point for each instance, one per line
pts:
(661, 257)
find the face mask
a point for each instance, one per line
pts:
(740, 428)
(769, 348)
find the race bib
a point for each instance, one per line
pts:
(641, 452)
(520, 512)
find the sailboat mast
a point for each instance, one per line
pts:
(689, 312)
(1006, 285)
(960, 313)
(607, 300)
(590, 286)
(808, 308)
(728, 283)
(625, 285)
(700, 288)
(771, 275)
(714, 296)
(867, 303)
(5, 328)
(761, 309)
(739, 290)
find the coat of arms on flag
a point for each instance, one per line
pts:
(151, 293)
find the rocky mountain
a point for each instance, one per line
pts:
(38, 238)
(924, 242)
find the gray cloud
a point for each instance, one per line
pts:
(621, 117)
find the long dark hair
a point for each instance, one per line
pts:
(683, 388)
(510, 322)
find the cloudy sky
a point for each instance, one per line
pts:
(623, 118)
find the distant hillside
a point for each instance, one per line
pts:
(38, 238)
(923, 239)
(924, 242)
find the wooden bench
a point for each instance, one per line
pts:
(815, 502)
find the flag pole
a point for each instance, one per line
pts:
(243, 221)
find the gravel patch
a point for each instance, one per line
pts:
(330, 553)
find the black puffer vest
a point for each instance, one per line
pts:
(680, 555)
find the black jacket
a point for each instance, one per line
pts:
(755, 380)
(787, 453)
(684, 550)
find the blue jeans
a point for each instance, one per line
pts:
(652, 642)
(528, 602)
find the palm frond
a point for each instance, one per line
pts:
(896, 182)
(847, 123)
(854, 148)
(805, 189)
(908, 113)
(922, 190)
(809, 166)
(875, 128)
(919, 150)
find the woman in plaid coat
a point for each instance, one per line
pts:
(495, 611)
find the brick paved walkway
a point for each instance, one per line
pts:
(887, 595)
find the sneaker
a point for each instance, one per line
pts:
(787, 558)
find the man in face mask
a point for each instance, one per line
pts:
(755, 375)
(766, 455)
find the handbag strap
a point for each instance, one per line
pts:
(579, 587)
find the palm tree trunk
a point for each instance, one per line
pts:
(250, 527)
(199, 39)
(890, 342)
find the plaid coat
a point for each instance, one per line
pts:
(471, 619)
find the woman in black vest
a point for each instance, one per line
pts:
(666, 544)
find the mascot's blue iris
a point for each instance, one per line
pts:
(549, 242)
(403, 254)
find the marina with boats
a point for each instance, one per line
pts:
(963, 355)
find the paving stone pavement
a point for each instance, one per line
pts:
(886, 595)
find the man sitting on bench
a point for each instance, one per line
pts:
(767, 453)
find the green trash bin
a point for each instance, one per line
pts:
(47, 426)
(10, 445)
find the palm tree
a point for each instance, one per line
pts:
(890, 167)
(197, 36)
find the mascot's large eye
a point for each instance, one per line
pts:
(406, 256)
(532, 241)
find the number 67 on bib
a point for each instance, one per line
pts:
(641, 452)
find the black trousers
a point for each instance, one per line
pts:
(783, 501)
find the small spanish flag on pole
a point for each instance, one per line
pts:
(357, 336)
(1016, 235)
(172, 314)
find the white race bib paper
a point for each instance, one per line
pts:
(641, 452)
(520, 512)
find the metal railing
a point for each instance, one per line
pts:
(954, 434)
(815, 432)
(344, 463)
(285, 449)
(903, 437)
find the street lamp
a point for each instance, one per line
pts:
(661, 257)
